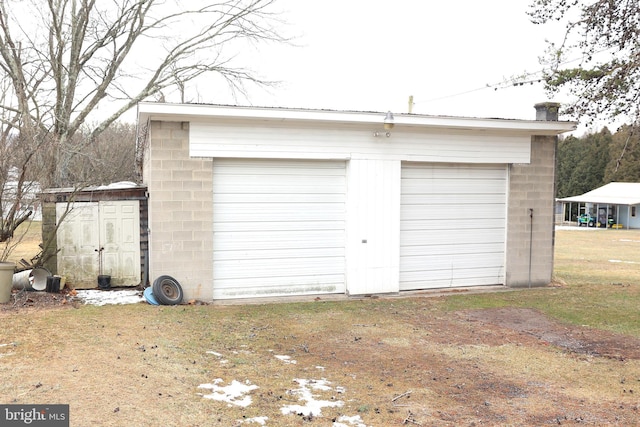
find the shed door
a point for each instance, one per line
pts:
(279, 227)
(89, 226)
(452, 226)
(77, 239)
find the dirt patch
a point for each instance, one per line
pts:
(575, 339)
(36, 300)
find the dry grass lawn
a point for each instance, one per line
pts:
(566, 354)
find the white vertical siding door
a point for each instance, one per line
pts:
(373, 221)
(452, 225)
(78, 238)
(120, 238)
(279, 227)
(89, 226)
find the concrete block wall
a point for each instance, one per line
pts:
(531, 186)
(180, 210)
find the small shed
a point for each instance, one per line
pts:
(96, 230)
(250, 202)
(616, 203)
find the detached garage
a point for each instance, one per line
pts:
(250, 202)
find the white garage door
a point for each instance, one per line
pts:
(279, 227)
(452, 226)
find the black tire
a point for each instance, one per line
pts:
(592, 224)
(167, 290)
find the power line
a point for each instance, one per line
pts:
(514, 81)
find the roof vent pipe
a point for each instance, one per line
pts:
(547, 111)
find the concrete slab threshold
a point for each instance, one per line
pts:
(344, 297)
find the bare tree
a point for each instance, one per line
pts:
(598, 59)
(66, 62)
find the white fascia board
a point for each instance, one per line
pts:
(189, 112)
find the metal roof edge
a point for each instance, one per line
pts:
(190, 112)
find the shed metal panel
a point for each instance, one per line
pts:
(452, 226)
(278, 227)
(243, 139)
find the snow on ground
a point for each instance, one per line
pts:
(353, 421)
(260, 420)
(305, 393)
(286, 359)
(237, 393)
(99, 297)
(234, 394)
(219, 356)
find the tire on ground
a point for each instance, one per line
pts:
(167, 290)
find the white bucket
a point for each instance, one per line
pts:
(31, 280)
(6, 271)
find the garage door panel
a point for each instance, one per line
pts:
(444, 237)
(440, 279)
(448, 249)
(233, 240)
(450, 171)
(301, 212)
(443, 212)
(272, 267)
(241, 168)
(452, 225)
(278, 198)
(448, 187)
(449, 261)
(448, 199)
(270, 253)
(283, 285)
(284, 188)
(445, 223)
(275, 226)
(279, 227)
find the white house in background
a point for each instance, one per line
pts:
(616, 201)
(29, 200)
(251, 202)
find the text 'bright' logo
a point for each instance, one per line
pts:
(34, 415)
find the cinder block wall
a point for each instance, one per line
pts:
(531, 186)
(180, 210)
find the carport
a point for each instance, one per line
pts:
(618, 201)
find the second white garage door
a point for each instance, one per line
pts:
(279, 227)
(452, 227)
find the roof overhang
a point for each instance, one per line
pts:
(614, 193)
(198, 112)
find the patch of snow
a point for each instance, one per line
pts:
(260, 420)
(121, 185)
(286, 359)
(233, 394)
(312, 406)
(99, 298)
(622, 262)
(353, 421)
(320, 368)
(219, 356)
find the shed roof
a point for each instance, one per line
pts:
(614, 193)
(187, 112)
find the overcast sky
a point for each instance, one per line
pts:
(371, 55)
